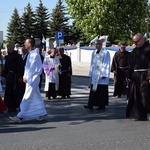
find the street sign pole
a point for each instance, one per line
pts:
(60, 37)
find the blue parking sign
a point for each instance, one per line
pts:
(59, 35)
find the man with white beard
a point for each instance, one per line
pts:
(32, 105)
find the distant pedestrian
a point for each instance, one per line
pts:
(65, 74)
(32, 105)
(42, 59)
(119, 67)
(24, 54)
(3, 107)
(22, 85)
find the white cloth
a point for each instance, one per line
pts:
(104, 70)
(32, 105)
(54, 76)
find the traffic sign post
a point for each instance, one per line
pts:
(60, 37)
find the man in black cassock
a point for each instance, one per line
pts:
(22, 85)
(13, 74)
(119, 68)
(65, 75)
(138, 74)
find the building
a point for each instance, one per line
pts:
(1, 36)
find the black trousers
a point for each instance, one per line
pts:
(9, 96)
(99, 97)
(51, 90)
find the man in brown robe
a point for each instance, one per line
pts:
(119, 68)
(138, 73)
(13, 74)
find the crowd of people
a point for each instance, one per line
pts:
(131, 77)
(24, 72)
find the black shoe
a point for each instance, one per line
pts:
(119, 96)
(68, 96)
(101, 108)
(63, 97)
(140, 119)
(87, 107)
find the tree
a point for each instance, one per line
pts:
(59, 21)
(28, 22)
(118, 19)
(75, 34)
(42, 20)
(14, 31)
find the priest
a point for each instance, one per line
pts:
(99, 74)
(51, 68)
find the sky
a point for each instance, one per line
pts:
(7, 8)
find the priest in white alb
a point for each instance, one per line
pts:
(51, 68)
(32, 105)
(99, 75)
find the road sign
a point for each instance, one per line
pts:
(59, 35)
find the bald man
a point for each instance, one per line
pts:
(13, 73)
(138, 73)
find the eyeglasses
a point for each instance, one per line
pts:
(137, 41)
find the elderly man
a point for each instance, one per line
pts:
(138, 73)
(99, 73)
(13, 73)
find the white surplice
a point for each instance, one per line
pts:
(52, 76)
(104, 70)
(32, 105)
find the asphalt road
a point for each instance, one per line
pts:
(70, 127)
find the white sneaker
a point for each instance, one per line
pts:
(16, 119)
(40, 118)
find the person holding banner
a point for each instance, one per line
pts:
(99, 74)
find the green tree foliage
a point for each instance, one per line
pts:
(117, 18)
(59, 20)
(28, 22)
(75, 34)
(42, 20)
(14, 29)
(39, 22)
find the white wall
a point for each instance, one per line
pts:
(84, 55)
(73, 54)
